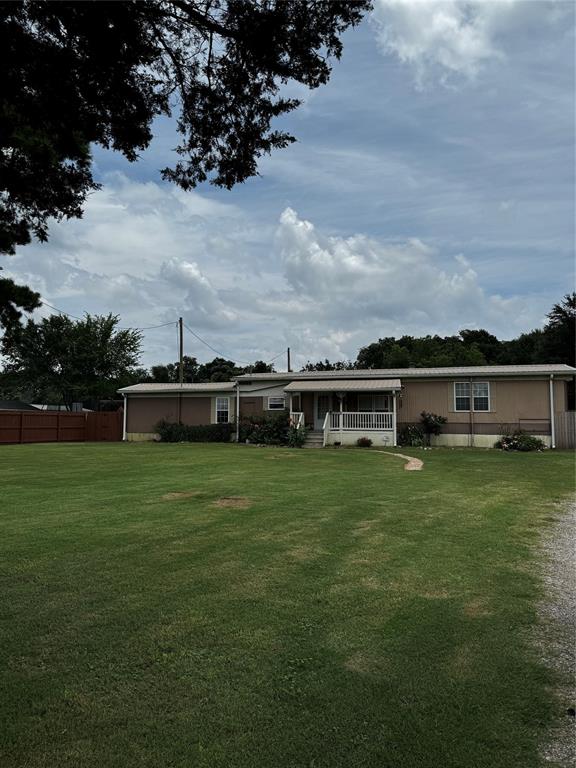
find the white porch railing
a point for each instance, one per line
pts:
(361, 420)
(297, 419)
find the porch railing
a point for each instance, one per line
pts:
(297, 419)
(361, 420)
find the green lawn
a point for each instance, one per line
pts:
(345, 613)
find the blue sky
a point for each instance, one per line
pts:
(431, 189)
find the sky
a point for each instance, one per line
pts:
(431, 189)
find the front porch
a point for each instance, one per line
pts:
(342, 411)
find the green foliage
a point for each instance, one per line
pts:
(364, 442)
(520, 441)
(432, 423)
(65, 360)
(183, 433)
(83, 73)
(269, 430)
(412, 435)
(296, 437)
(13, 299)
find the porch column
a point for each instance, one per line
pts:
(291, 409)
(394, 418)
(341, 396)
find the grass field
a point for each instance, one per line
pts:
(209, 605)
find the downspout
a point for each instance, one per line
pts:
(124, 416)
(237, 411)
(552, 419)
(471, 413)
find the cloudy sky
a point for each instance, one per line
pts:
(431, 189)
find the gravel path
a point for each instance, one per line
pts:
(556, 635)
(411, 463)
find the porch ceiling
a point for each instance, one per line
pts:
(344, 385)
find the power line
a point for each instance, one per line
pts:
(165, 325)
(223, 354)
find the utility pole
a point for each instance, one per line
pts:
(288, 358)
(180, 366)
(181, 360)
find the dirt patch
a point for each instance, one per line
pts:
(232, 502)
(173, 495)
(477, 609)
(364, 663)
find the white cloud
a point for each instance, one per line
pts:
(151, 254)
(447, 40)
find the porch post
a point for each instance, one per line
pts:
(394, 417)
(291, 409)
(341, 396)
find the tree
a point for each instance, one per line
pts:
(13, 299)
(76, 74)
(486, 343)
(559, 336)
(171, 372)
(71, 360)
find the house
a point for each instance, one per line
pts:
(480, 403)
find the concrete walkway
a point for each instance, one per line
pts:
(411, 465)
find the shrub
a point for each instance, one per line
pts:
(520, 441)
(296, 437)
(432, 424)
(364, 442)
(412, 436)
(272, 430)
(183, 433)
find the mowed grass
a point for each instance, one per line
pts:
(338, 611)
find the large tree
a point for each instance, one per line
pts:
(76, 74)
(70, 360)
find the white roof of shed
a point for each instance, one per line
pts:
(344, 385)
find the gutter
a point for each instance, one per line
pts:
(552, 415)
(237, 386)
(124, 416)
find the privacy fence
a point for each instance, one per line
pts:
(566, 429)
(59, 426)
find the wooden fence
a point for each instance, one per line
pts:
(566, 429)
(59, 426)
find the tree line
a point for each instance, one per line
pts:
(59, 360)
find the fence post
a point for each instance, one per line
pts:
(21, 427)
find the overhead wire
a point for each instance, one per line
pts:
(165, 325)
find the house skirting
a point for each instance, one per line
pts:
(350, 436)
(480, 441)
(141, 437)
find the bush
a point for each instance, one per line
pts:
(432, 424)
(520, 441)
(183, 433)
(272, 430)
(412, 436)
(364, 442)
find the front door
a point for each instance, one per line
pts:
(321, 408)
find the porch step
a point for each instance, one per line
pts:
(314, 439)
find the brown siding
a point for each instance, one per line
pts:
(196, 410)
(251, 406)
(511, 402)
(145, 412)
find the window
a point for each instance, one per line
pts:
(481, 392)
(222, 410)
(480, 396)
(276, 403)
(375, 403)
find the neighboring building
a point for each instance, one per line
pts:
(480, 403)
(15, 405)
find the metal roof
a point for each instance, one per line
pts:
(156, 389)
(421, 373)
(344, 385)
